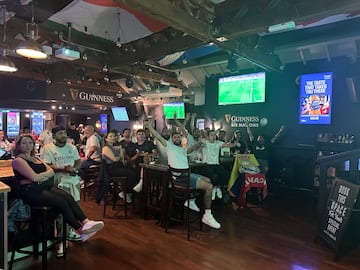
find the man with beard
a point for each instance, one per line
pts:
(177, 158)
(64, 159)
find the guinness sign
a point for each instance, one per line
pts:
(80, 95)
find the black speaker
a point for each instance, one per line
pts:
(135, 110)
(129, 82)
(353, 86)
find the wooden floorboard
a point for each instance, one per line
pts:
(278, 236)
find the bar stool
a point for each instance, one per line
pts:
(180, 192)
(111, 197)
(40, 234)
(90, 178)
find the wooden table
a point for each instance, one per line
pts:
(4, 189)
(6, 173)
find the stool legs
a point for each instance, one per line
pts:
(43, 238)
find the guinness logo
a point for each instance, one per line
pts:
(74, 93)
(227, 118)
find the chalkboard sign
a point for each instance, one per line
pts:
(342, 199)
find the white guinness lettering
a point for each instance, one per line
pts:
(94, 97)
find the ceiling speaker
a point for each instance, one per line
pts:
(129, 82)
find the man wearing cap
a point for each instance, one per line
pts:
(64, 159)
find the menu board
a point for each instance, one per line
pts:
(342, 199)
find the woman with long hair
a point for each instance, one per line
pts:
(36, 187)
(113, 156)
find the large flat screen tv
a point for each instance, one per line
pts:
(171, 107)
(242, 89)
(120, 114)
(315, 98)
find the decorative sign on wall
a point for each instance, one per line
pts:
(243, 120)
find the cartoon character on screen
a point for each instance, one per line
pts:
(324, 104)
(305, 106)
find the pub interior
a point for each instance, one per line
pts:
(232, 65)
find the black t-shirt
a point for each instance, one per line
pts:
(261, 151)
(146, 147)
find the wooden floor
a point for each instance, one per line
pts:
(279, 236)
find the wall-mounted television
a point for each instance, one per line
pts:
(315, 98)
(120, 113)
(171, 107)
(242, 89)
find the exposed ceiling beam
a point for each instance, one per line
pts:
(183, 21)
(300, 12)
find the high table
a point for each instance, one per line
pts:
(6, 173)
(155, 190)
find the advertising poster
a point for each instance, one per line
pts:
(103, 123)
(37, 122)
(315, 98)
(13, 124)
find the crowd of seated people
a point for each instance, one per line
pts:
(123, 154)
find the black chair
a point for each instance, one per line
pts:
(90, 179)
(180, 191)
(109, 189)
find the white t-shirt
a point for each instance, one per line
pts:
(176, 156)
(211, 152)
(61, 157)
(161, 150)
(46, 137)
(196, 154)
(93, 141)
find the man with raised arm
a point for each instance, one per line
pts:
(177, 158)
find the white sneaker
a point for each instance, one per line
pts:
(86, 236)
(138, 186)
(73, 236)
(209, 220)
(218, 193)
(121, 195)
(60, 249)
(92, 226)
(213, 194)
(129, 197)
(192, 205)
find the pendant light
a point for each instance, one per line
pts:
(30, 48)
(6, 65)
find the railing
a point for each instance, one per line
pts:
(347, 168)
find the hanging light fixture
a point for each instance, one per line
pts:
(30, 48)
(6, 65)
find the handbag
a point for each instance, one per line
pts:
(18, 211)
